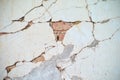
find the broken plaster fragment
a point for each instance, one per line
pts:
(63, 60)
(35, 60)
(66, 52)
(47, 70)
(26, 27)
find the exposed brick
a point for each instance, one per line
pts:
(60, 29)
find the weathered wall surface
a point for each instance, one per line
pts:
(59, 39)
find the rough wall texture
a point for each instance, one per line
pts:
(59, 39)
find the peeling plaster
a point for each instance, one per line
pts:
(58, 64)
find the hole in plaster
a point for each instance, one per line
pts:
(61, 27)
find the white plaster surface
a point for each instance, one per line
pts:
(90, 50)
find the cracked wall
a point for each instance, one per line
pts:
(59, 40)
